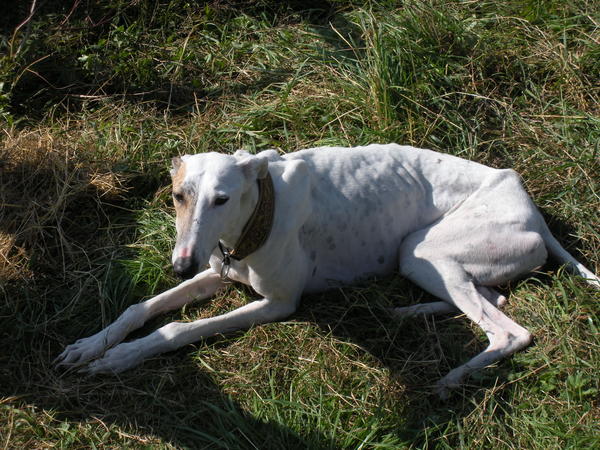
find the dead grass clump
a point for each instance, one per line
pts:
(13, 259)
(45, 184)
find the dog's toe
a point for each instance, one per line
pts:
(68, 357)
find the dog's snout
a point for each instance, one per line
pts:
(185, 267)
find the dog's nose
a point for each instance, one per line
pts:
(185, 267)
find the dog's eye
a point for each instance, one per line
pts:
(178, 197)
(221, 200)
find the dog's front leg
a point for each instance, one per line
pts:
(178, 334)
(84, 350)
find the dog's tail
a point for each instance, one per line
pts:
(564, 257)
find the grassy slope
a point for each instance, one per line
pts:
(92, 115)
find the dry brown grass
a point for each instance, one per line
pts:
(46, 176)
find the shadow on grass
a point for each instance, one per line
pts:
(417, 352)
(175, 402)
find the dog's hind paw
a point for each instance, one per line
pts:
(445, 386)
(442, 391)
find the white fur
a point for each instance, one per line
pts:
(452, 226)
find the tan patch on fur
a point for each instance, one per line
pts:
(179, 177)
(183, 210)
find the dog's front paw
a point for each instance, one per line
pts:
(83, 351)
(122, 357)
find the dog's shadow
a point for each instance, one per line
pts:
(172, 402)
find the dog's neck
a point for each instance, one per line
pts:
(258, 226)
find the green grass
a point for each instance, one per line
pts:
(94, 102)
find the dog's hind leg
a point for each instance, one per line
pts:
(423, 309)
(178, 334)
(447, 280)
(202, 286)
(441, 308)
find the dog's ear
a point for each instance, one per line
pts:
(177, 161)
(253, 166)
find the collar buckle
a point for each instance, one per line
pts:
(225, 262)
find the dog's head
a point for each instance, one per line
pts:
(213, 195)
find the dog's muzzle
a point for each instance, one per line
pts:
(186, 268)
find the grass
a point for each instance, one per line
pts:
(95, 98)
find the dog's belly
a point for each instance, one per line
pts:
(355, 249)
(330, 270)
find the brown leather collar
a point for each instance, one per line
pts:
(257, 228)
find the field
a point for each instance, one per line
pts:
(95, 99)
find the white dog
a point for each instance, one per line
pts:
(318, 218)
